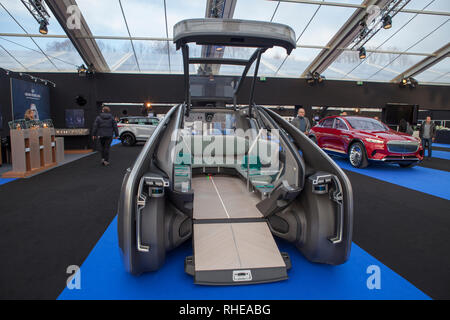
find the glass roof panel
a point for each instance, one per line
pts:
(325, 25)
(439, 73)
(178, 10)
(145, 18)
(297, 62)
(6, 61)
(295, 15)
(25, 51)
(61, 52)
(370, 68)
(152, 56)
(118, 55)
(254, 10)
(431, 5)
(103, 17)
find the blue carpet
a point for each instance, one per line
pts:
(103, 277)
(430, 181)
(440, 154)
(6, 180)
(442, 145)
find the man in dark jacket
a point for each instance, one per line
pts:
(301, 122)
(427, 133)
(104, 129)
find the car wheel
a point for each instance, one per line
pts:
(357, 155)
(128, 139)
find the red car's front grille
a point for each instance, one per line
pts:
(402, 146)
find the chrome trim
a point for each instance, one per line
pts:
(396, 159)
(403, 143)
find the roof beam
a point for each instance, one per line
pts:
(425, 64)
(82, 38)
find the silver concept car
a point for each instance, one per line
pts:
(230, 177)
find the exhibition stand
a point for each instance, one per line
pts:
(33, 147)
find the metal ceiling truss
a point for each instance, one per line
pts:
(361, 6)
(425, 64)
(37, 10)
(391, 9)
(218, 9)
(343, 38)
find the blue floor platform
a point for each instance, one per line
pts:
(6, 180)
(426, 180)
(440, 154)
(442, 145)
(103, 277)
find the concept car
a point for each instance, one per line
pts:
(230, 176)
(365, 140)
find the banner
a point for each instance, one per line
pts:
(29, 95)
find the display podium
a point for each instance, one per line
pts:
(33, 147)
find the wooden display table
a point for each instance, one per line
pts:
(32, 151)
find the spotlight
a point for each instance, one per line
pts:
(319, 78)
(387, 22)
(148, 105)
(362, 53)
(410, 82)
(404, 82)
(82, 70)
(43, 27)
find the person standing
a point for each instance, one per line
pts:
(427, 134)
(301, 122)
(104, 128)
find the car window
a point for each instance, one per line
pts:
(142, 121)
(327, 123)
(366, 124)
(339, 124)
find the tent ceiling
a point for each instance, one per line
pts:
(135, 36)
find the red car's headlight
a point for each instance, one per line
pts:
(375, 140)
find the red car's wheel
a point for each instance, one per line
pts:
(357, 155)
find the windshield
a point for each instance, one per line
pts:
(366, 124)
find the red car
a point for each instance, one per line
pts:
(363, 139)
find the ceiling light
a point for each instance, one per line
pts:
(387, 22)
(220, 48)
(43, 27)
(362, 53)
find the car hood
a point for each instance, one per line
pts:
(387, 135)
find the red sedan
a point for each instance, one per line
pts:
(363, 139)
